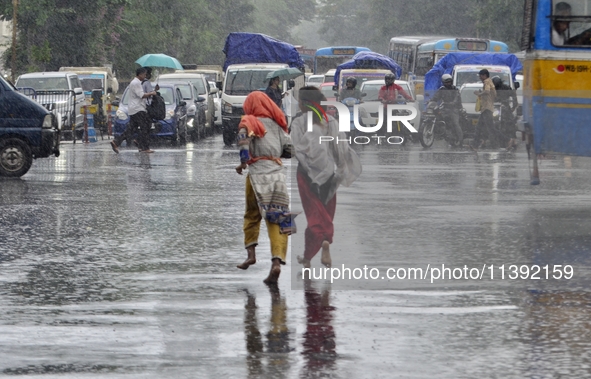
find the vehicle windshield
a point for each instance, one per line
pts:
(316, 79)
(323, 64)
(464, 77)
(373, 90)
(88, 84)
(165, 92)
(185, 91)
(468, 95)
(327, 91)
(197, 82)
(243, 82)
(43, 83)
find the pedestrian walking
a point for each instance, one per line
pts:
(486, 97)
(138, 116)
(322, 168)
(263, 141)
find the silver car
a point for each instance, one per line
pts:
(203, 89)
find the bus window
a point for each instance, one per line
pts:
(571, 23)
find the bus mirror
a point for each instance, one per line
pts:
(335, 88)
(290, 83)
(363, 94)
(516, 85)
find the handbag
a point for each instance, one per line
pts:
(478, 106)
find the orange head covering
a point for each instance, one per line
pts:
(258, 104)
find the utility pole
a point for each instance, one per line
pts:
(13, 62)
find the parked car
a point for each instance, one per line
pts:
(60, 92)
(169, 128)
(371, 103)
(519, 91)
(33, 134)
(203, 89)
(315, 80)
(217, 101)
(196, 111)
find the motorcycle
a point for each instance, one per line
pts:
(435, 124)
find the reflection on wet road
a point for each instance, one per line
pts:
(123, 266)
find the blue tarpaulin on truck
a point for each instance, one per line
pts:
(369, 60)
(259, 48)
(447, 63)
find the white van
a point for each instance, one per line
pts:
(463, 74)
(241, 80)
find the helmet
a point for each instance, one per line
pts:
(389, 77)
(352, 80)
(446, 78)
(497, 81)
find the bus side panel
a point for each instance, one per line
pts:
(558, 105)
(561, 129)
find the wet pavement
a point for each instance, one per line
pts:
(123, 266)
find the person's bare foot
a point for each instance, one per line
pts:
(250, 260)
(325, 259)
(274, 273)
(303, 261)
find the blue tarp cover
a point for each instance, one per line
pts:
(447, 63)
(369, 60)
(259, 48)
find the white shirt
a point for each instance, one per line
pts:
(136, 93)
(557, 38)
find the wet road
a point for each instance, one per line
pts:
(123, 266)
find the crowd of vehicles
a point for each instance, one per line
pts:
(201, 97)
(418, 54)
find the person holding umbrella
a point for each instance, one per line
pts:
(138, 115)
(274, 92)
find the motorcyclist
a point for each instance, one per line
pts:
(507, 96)
(449, 96)
(350, 90)
(389, 93)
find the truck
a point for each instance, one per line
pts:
(250, 57)
(100, 87)
(464, 68)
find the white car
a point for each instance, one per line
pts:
(217, 101)
(371, 103)
(315, 80)
(469, 100)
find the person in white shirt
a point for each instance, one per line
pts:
(138, 115)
